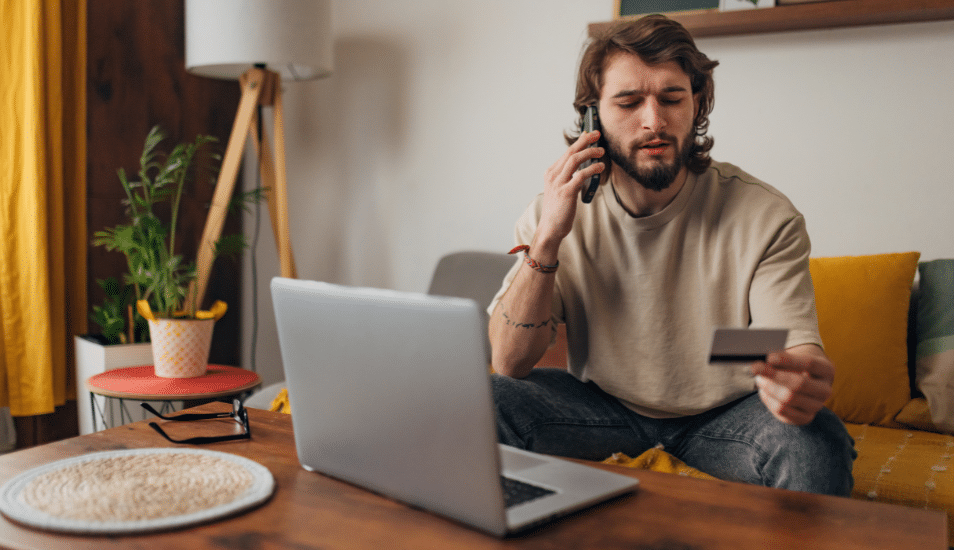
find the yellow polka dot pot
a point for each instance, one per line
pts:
(180, 347)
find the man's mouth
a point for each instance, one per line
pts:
(655, 147)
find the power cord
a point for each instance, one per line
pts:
(253, 248)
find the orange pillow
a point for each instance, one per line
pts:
(862, 304)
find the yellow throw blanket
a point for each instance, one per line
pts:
(654, 459)
(657, 460)
(280, 404)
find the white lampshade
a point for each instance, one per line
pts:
(225, 38)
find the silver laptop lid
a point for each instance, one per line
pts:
(389, 391)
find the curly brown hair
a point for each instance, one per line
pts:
(655, 39)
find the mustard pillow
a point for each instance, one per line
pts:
(862, 304)
(916, 414)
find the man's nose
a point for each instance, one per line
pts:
(653, 118)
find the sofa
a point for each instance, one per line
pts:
(887, 323)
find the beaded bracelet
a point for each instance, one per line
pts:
(533, 263)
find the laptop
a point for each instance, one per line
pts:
(390, 391)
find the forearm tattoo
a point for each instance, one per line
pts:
(510, 322)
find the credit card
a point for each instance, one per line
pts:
(738, 345)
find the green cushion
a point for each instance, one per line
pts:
(935, 340)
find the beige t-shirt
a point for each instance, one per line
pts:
(641, 296)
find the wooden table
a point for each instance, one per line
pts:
(309, 510)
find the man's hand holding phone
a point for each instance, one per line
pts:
(520, 324)
(562, 187)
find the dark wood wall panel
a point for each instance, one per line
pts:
(136, 79)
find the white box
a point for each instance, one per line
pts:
(94, 358)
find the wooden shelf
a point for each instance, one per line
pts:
(819, 15)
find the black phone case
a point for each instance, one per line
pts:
(590, 123)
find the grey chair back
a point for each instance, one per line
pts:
(474, 275)
(470, 274)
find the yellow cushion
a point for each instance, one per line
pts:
(657, 460)
(917, 414)
(862, 304)
(908, 467)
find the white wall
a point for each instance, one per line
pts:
(435, 130)
(853, 125)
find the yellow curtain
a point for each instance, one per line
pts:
(42, 200)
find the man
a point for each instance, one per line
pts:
(672, 246)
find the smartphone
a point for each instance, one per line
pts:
(590, 123)
(732, 345)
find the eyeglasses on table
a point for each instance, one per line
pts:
(238, 413)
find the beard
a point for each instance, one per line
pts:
(657, 175)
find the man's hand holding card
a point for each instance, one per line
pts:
(793, 383)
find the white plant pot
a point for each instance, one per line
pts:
(94, 358)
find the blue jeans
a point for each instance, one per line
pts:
(552, 412)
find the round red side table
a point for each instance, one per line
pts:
(141, 384)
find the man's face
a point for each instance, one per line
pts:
(647, 112)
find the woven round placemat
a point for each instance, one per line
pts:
(135, 490)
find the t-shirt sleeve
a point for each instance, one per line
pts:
(781, 294)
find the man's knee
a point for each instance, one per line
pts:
(835, 450)
(746, 443)
(506, 392)
(815, 458)
(541, 390)
(552, 412)
(506, 389)
(519, 402)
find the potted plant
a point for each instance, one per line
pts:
(160, 277)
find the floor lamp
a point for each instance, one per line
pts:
(260, 43)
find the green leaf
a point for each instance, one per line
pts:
(245, 200)
(230, 245)
(155, 271)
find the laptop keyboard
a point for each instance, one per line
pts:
(518, 492)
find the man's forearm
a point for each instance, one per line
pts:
(520, 326)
